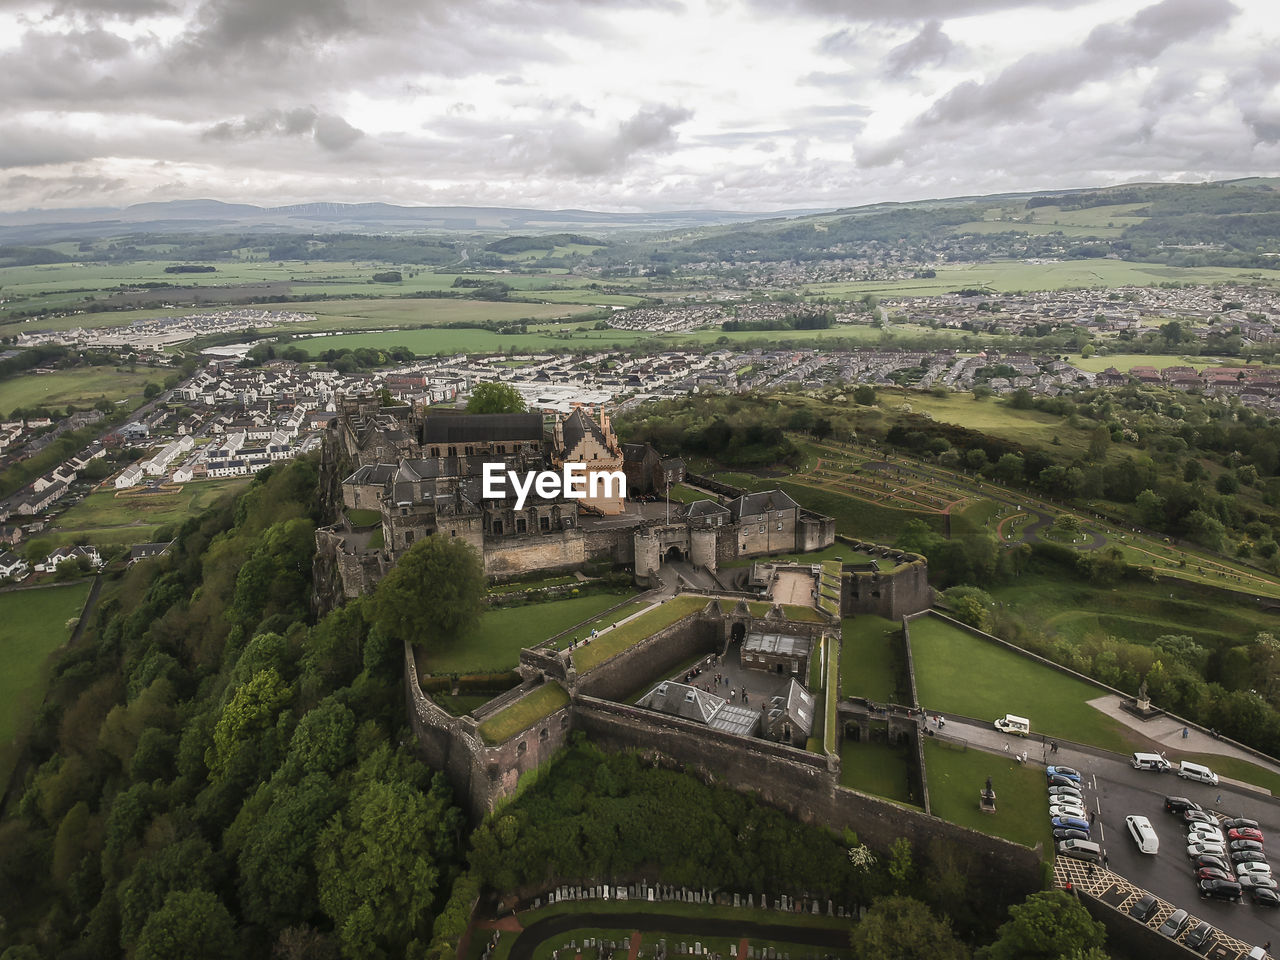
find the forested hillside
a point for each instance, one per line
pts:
(211, 776)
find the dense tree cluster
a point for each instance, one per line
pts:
(211, 777)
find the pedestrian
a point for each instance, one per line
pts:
(1219, 800)
(1092, 817)
(1006, 748)
(1106, 861)
(1185, 733)
(1089, 870)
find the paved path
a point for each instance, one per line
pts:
(1167, 731)
(536, 933)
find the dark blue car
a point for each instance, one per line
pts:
(1068, 772)
(1070, 823)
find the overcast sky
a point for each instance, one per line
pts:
(626, 104)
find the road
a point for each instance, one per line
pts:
(1114, 790)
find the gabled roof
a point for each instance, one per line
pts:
(706, 508)
(682, 700)
(578, 425)
(753, 504)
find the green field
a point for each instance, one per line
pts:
(869, 662)
(957, 672)
(33, 623)
(877, 768)
(1136, 611)
(107, 517)
(522, 714)
(503, 633)
(1008, 276)
(80, 387)
(957, 776)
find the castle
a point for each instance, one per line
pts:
(408, 475)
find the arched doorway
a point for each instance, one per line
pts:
(737, 632)
(674, 555)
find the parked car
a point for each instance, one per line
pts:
(1248, 856)
(1069, 772)
(1056, 781)
(1265, 897)
(1174, 924)
(1208, 860)
(1203, 833)
(1198, 816)
(1268, 882)
(1199, 937)
(1246, 845)
(1213, 873)
(1144, 835)
(1253, 867)
(1232, 823)
(1219, 889)
(1070, 823)
(1066, 792)
(1060, 835)
(1144, 908)
(1245, 833)
(1180, 804)
(1066, 810)
(1199, 849)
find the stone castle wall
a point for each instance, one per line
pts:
(564, 550)
(894, 594)
(621, 675)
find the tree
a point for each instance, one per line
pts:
(969, 605)
(1048, 925)
(865, 395)
(1008, 469)
(1150, 508)
(901, 863)
(495, 398)
(192, 925)
(152, 390)
(901, 928)
(1099, 442)
(435, 594)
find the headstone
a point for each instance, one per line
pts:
(829, 912)
(573, 944)
(651, 894)
(697, 896)
(736, 901)
(697, 948)
(773, 954)
(684, 947)
(815, 908)
(537, 902)
(751, 901)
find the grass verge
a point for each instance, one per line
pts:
(524, 713)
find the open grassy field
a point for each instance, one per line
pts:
(503, 633)
(1012, 275)
(1135, 611)
(80, 387)
(1028, 427)
(870, 662)
(960, 673)
(877, 768)
(110, 517)
(525, 712)
(33, 623)
(957, 776)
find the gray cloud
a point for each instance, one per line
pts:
(329, 131)
(569, 147)
(1108, 50)
(74, 187)
(899, 11)
(928, 48)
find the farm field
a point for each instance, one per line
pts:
(1124, 361)
(1013, 275)
(80, 387)
(956, 775)
(957, 672)
(503, 633)
(107, 517)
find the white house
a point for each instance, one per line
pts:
(130, 476)
(63, 554)
(12, 566)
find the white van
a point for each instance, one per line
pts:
(1150, 761)
(1195, 771)
(1016, 725)
(1144, 835)
(1080, 850)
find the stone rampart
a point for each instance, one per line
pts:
(621, 675)
(535, 553)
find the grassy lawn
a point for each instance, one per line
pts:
(516, 586)
(707, 911)
(108, 517)
(957, 776)
(831, 737)
(1236, 769)
(605, 620)
(32, 625)
(502, 634)
(685, 494)
(1137, 611)
(364, 518)
(840, 551)
(615, 641)
(522, 714)
(877, 768)
(80, 387)
(960, 673)
(800, 614)
(869, 661)
(463, 703)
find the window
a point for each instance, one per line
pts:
(544, 523)
(408, 536)
(762, 528)
(522, 748)
(521, 525)
(779, 524)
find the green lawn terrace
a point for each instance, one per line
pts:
(523, 713)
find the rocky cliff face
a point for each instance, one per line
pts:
(326, 578)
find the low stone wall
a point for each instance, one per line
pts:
(535, 553)
(802, 785)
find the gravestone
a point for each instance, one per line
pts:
(697, 948)
(815, 908)
(751, 901)
(651, 894)
(736, 901)
(829, 911)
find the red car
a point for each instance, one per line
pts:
(1213, 873)
(1245, 833)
